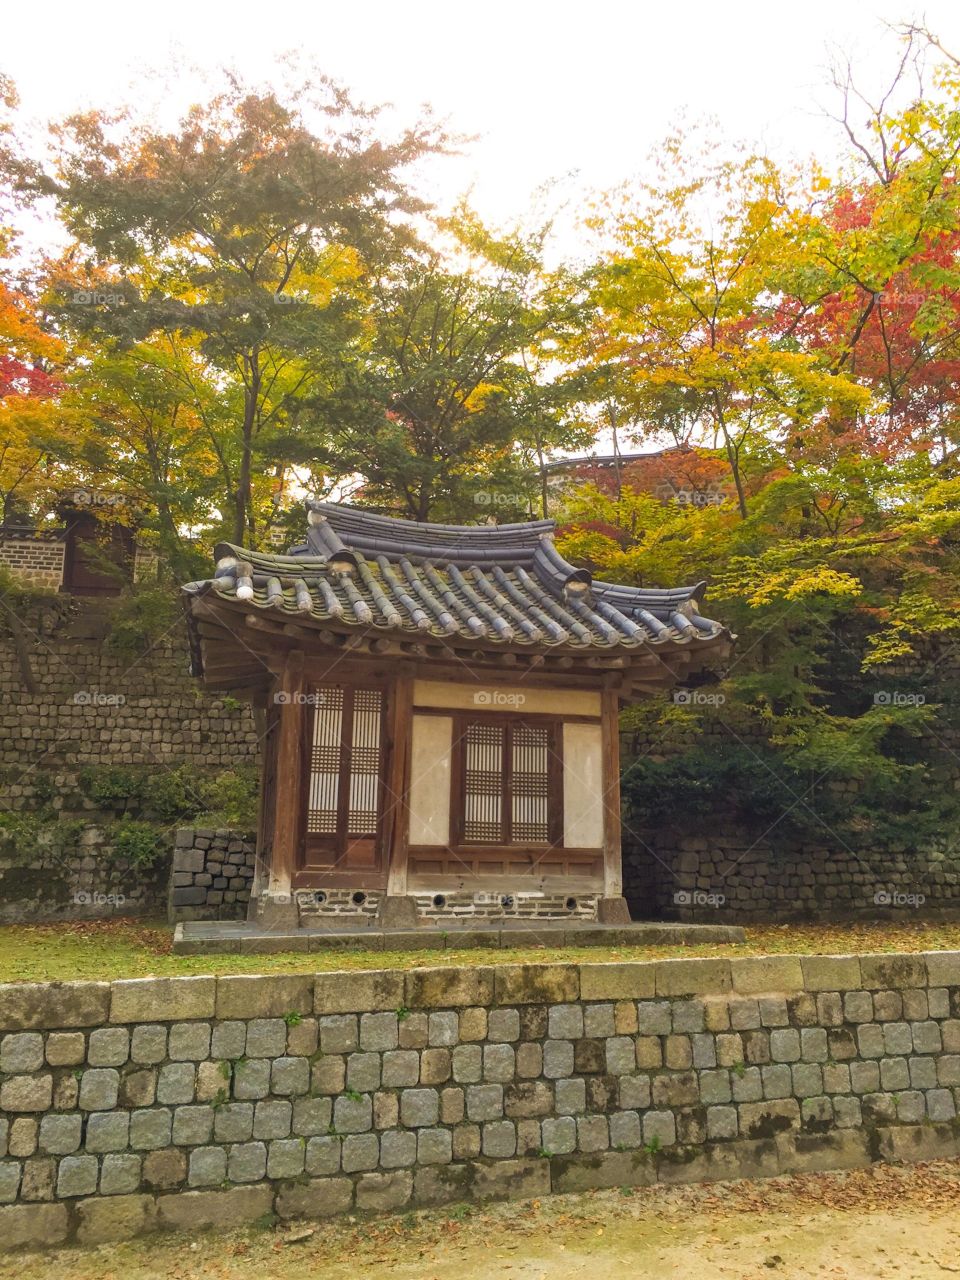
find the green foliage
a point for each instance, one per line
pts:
(230, 799)
(111, 786)
(172, 794)
(139, 843)
(140, 617)
(867, 782)
(175, 796)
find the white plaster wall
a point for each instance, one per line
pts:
(582, 786)
(429, 792)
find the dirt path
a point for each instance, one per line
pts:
(867, 1225)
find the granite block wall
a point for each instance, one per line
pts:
(81, 877)
(212, 875)
(184, 1102)
(732, 877)
(95, 707)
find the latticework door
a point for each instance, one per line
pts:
(345, 778)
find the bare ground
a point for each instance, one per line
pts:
(864, 1225)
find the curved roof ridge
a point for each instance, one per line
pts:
(368, 531)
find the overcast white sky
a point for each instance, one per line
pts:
(551, 89)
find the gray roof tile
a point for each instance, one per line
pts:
(502, 584)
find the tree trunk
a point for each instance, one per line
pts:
(734, 462)
(618, 472)
(241, 512)
(23, 653)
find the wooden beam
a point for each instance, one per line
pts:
(288, 795)
(266, 723)
(395, 818)
(227, 684)
(612, 852)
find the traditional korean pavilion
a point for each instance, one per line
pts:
(438, 708)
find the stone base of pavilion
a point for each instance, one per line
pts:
(226, 937)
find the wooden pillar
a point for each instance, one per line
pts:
(612, 851)
(396, 819)
(288, 790)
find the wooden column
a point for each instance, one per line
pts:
(288, 791)
(612, 851)
(395, 817)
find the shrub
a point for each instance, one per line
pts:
(173, 794)
(112, 786)
(141, 617)
(139, 843)
(231, 799)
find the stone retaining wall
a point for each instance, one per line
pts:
(97, 708)
(80, 877)
(185, 1102)
(212, 875)
(731, 877)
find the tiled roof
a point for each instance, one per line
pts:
(501, 584)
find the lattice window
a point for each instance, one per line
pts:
(344, 788)
(364, 804)
(483, 783)
(508, 782)
(325, 762)
(529, 784)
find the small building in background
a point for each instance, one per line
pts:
(439, 715)
(93, 550)
(685, 474)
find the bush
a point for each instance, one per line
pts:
(112, 786)
(141, 617)
(173, 794)
(231, 799)
(176, 796)
(139, 843)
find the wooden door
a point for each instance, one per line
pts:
(343, 787)
(98, 558)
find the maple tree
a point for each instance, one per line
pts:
(245, 232)
(30, 362)
(447, 412)
(683, 303)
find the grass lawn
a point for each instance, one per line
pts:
(141, 948)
